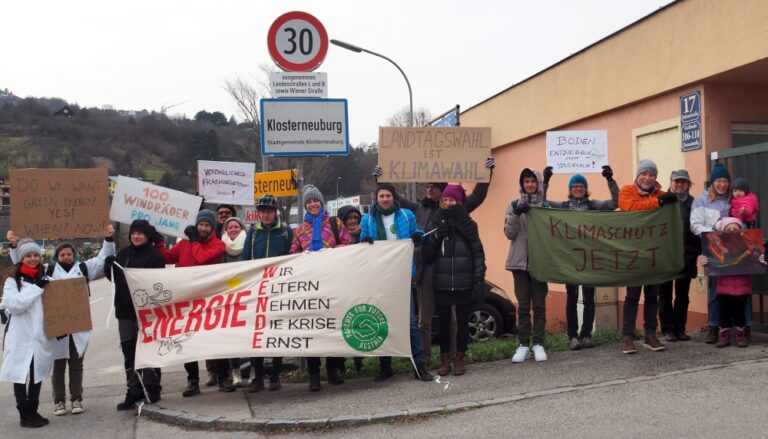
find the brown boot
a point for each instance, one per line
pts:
(712, 335)
(628, 345)
(458, 365)
(445, 364)
(653, 343)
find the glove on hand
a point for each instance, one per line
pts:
(521, 208)
(191, 232)
(667, 198)
(377, 171)
(416, 237)
(490, 163)
(367, 239)
(547, 174)
(608, 173)
(40, 279)
(443, 230)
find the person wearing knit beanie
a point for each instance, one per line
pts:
(206, 216)
(740, 184)
(27, 246)
(456, 192)
(719, 171)
(646, 165)
(721, 225)
(309, 193)
(577, 179)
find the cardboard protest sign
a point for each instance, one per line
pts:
(349, 301)
(733, 253)
(428, 154)
(59, 203)
(277, 183)
(66, 307)
(602, 249)
(226, 182)
(571, 152)
(170, 211)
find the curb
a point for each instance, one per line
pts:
(205, 422)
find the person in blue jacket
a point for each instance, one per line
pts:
(265, 239)
(388, 221)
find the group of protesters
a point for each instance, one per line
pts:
(447, 276)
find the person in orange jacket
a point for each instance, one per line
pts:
(643, 194)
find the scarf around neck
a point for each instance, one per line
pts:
(379, 213)
(30, 272)
(234, 247)
(317, 229)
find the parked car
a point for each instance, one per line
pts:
(494, 317)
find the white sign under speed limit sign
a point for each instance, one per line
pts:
(297, 42)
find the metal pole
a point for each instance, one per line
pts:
(300, 183)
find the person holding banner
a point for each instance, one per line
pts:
(674, 315)
(223, 212)
(317, 232)
(388, 221)
(578, 200)
(644, 194)
(139, 254)
(531, 293)
(201, 248)
(707, 209)
(234, 241)
(266, 239)
(71, 349)
(28, 354)
(458, 267)
(425, 210)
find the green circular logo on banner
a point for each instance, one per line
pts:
(364, 327)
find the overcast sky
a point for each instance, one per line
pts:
(142, 54)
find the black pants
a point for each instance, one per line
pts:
(571, 314)
(673, 315)
(28, 395)
(313, 364)
(462, 328)
(649, 309)
(258, 368)
(732, 310)
(193, 370)
(129, 333)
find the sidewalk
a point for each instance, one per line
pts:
(362, 402)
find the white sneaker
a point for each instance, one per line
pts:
(77, 407)
(538, 353)
(521, 354)
(59, 409)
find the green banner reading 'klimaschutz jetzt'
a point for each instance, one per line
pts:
(605, 248)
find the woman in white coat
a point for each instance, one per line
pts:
(27, 351)
(71, 350)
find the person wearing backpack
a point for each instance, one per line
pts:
(266, 239)
(317, 231)
(70, 350)
(27, 351)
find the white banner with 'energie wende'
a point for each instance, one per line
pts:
(349, 301)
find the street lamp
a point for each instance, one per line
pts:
(358, 49)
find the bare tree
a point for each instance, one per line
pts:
(421, 117)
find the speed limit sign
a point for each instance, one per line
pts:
(297, 42)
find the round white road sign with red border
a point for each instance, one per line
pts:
(297, 42)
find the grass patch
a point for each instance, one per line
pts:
(491, 350)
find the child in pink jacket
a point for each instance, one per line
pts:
(732, 294)
(744, 205)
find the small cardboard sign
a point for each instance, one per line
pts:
(66, 307)
(59, 203)
(429, 154)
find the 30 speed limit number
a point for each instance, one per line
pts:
(297, 42)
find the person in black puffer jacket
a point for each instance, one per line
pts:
(140, 254)
(458, 270)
